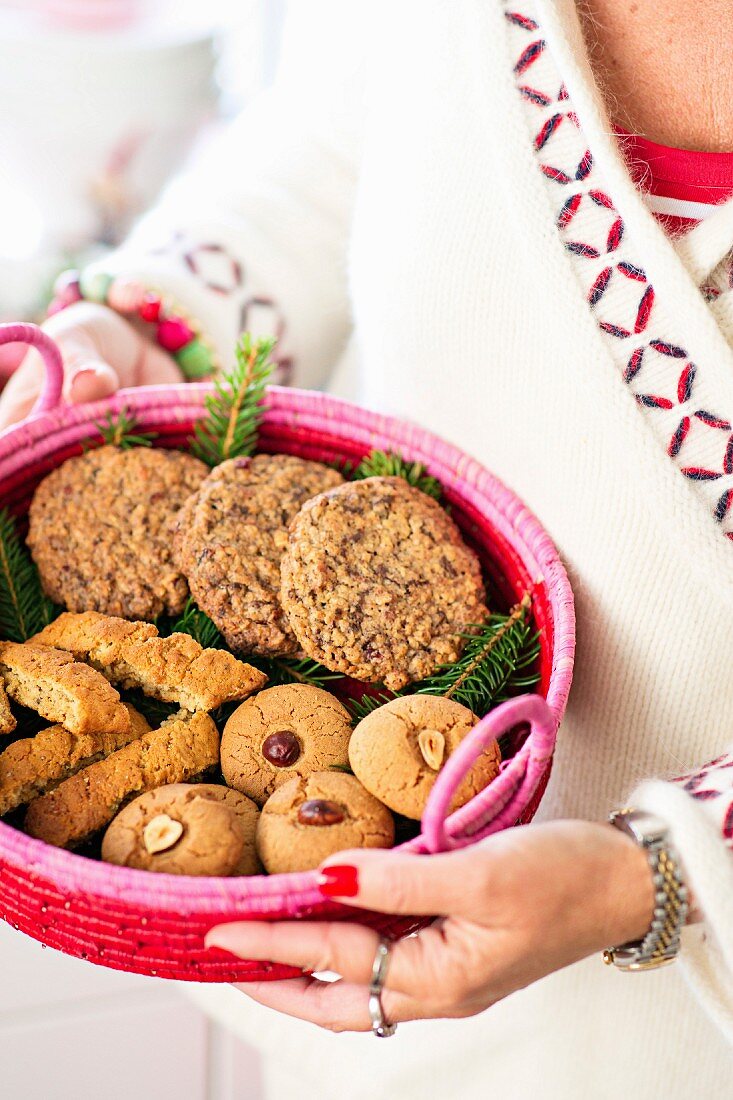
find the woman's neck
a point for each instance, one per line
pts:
(665, 69)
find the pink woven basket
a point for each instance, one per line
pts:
(155, 924)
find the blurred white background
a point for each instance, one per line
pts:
(100, 101)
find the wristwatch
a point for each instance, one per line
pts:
(661, 944)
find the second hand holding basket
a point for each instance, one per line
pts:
(155, 924)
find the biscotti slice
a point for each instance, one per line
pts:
(174, 669)
(7, 718)
(185, 746)
(34, 765)
(61, 689)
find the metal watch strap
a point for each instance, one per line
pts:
(661, 944)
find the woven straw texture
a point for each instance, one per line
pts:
(155, 924)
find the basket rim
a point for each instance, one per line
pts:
(44, 433)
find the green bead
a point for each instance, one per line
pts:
(94, 285)
(195, 360)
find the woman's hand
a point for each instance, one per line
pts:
(516, 907)
(102, 352)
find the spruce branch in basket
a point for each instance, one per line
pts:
(388, 464)
(24, 609)
(197, 623)
(234, 411)
(498, 661)
(119, 431)
(279, 670)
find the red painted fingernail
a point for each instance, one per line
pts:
(339, 881)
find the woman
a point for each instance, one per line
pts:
(453, 181)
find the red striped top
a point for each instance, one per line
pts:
(681, 186)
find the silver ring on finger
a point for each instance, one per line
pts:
(380, 1027)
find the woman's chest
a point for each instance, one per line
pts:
(472, 320)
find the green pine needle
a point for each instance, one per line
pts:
(499, 661)
(154, 710)
(195, 622)
(279, 670)
(340, 768)
(384, 464)
(24, 609)
(364, 706)
(293, 670)
(119, 431)
(234, 411)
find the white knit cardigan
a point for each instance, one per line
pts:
(440, 180)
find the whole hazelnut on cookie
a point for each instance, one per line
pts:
(286, 731)
(186, 829)
(307, 820)
(398, 750)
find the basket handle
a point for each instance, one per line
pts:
(22, 333)
(506, 797)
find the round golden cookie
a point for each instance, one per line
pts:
(185, 829)
(282, 732)
(398, 750)
(377, 582)
(100, 530)
(307, 820)
(230, 538)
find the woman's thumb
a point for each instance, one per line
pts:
(87, 376)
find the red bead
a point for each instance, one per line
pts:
(150, 308)
(174, 333)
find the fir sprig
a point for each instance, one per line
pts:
(388, 464)
(234, 411)
(197, 623)
(498, 661)
(279, 670)
(363, 706)
(120, 431)
(294, 670)
(24, 609)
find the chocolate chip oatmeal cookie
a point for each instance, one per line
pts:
(377, 582)
(100, 530)
(230, 538)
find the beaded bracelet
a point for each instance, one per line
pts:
(174, 330)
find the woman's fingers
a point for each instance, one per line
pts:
(87, 376)
(101, 353)
(394, 882)
(421, 967)
(336, 1006)
(347, 949)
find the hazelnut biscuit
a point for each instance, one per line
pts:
(175, 669)
(101, 529)
(378, 584)
(230, 539)
(34, 765)
(280, 733)
(8, 721)
(185, 746)
(185, 829)
(61, 689)
(398, 750)
(307, 820)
